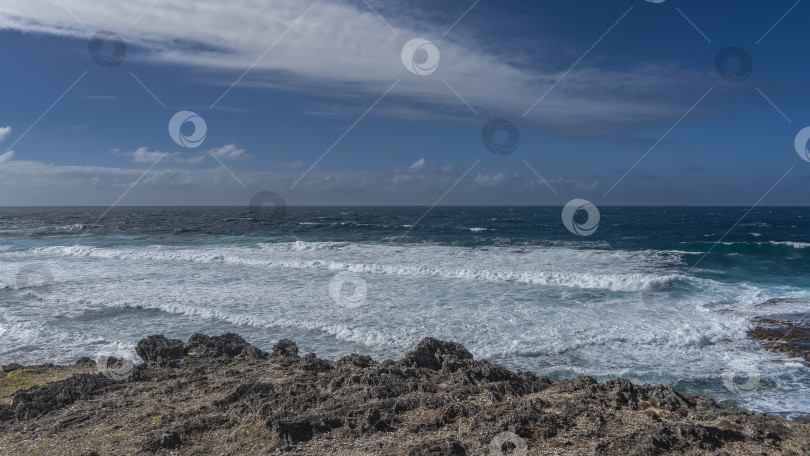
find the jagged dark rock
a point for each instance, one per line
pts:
(220, 395)
(436, 354)
(38, 401)
(788, 337)
(159, 350)
(285, 348)
(12, 367)
(227, 345)
(84, 362)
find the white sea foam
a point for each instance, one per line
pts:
(560, 309)
(795, 245)
(73, 227)
(535, 266)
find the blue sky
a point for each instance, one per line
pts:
(618, 76)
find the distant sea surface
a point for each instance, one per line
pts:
(637, 299)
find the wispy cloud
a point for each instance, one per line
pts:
(341, 48)
(489, 180)
(4, 132)
(6, 156)
(229, 152)
(51, 184)
(144, 155)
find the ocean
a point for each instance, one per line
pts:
(638, 298)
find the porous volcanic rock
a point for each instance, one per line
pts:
(221, 396)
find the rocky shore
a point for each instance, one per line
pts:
(786, 334)
(222, 396)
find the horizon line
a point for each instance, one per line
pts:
(403, 206)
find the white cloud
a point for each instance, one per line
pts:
(229, 152)
(6, 156)
(423, 167)
(489, 180)
(342, 45)
(144, 155)
(4, 132)
(36, 183)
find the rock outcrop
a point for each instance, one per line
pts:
(220, 395)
